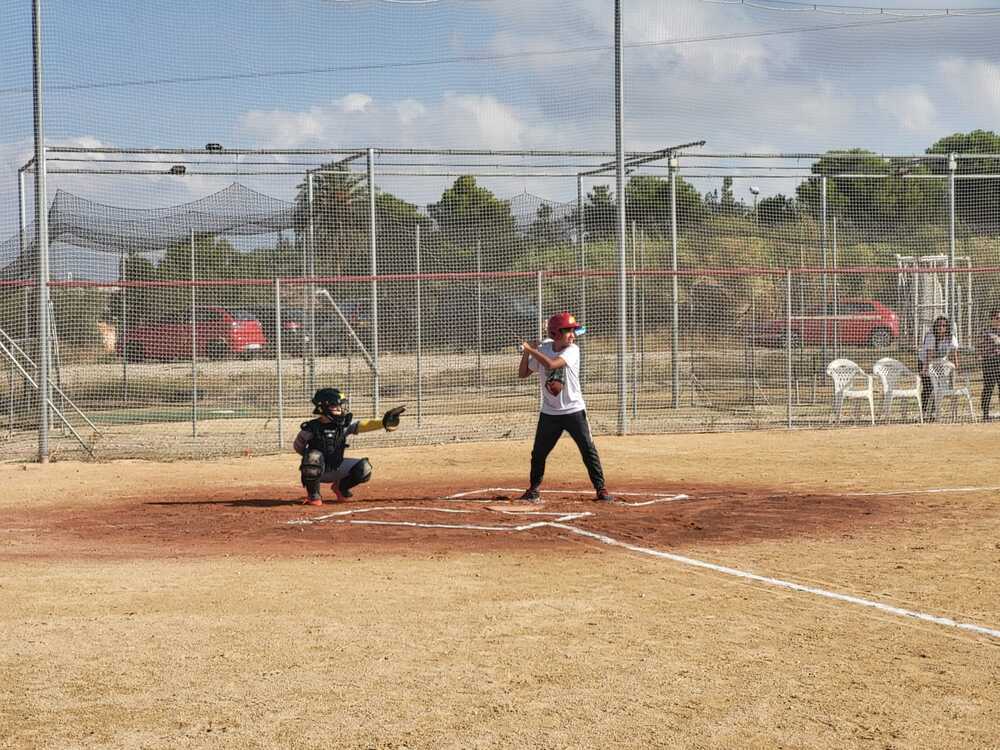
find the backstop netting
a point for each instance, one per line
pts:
(387, 197)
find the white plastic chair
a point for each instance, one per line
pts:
(898, 382)
(850, 381)
(942, 372)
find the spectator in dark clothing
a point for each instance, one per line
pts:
(989, 353)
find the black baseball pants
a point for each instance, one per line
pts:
(550, 429)
(991, 380)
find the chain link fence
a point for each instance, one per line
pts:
(203, 328)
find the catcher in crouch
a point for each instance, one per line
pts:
(322, 441)
(557, 362)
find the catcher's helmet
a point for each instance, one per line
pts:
(327, 397)
(563, 320)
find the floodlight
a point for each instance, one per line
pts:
(213, 147)
(178, 169)
(754, 190)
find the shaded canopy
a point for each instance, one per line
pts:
(234, 210)
(86, 225)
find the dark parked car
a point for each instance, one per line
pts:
(506, 320)
(331, 336)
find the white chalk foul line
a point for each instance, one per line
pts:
(560, 522)
(887, 608)
(933, 491)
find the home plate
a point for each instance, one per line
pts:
(514, 507)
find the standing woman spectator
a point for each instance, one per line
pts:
(939, 343)
(990, 354)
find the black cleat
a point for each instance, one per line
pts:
(530, 496)
(603, 496)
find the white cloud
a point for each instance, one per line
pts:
(455, 119)
(354, 103)
(910, 107)
(409, 110)
(973, 86)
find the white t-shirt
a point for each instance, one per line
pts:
(570, 399)
(944, 347)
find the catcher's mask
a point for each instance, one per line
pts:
(325, 398)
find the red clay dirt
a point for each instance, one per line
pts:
(233, 523)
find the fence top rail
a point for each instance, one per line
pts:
(353, 153)
(737, 271)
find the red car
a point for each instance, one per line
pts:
(858, 322)
(218, 333)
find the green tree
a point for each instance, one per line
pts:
(599, 217)
(544, 230)
(976, 201)
(337, 217)
(883, 201)
(467, 208)
(777, 209)
(647, 202)
(340, 222)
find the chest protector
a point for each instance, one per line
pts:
(328, 438)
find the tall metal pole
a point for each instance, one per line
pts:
(310, 268)
(583, 262)
(675, 327)
(950, 282)
(826, 299)
(373, 248)
(42, 234)
(620, 200)
(420, 333)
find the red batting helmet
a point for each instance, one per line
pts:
(563, 320)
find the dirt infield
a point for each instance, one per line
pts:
(199, 604)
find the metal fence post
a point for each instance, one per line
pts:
(309, 269)
(950, 285)
(583, 265)
(479, 312)
(538, 298)
(42, 233)
(278, 361)
(826, 298)
(373, 247)
(635, 329)
(123, 328)
(620, 201)
(420, 332)
(194, 351)
(675, 328)
(836, 295)
(22, 211)
(788, 342)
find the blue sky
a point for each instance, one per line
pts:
(744, 79)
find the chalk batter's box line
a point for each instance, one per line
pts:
(560, 522)
(658, 497)
(343, 517)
